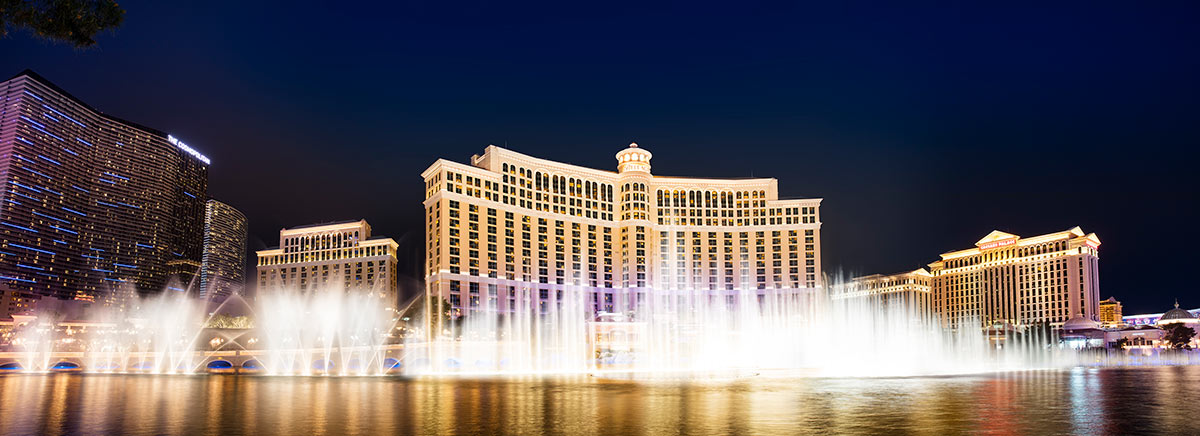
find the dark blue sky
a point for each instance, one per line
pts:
(924, 128)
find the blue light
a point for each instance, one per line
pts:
(32, 95)
(12, 201)
(35, 123)
(37, 173)
(143, 245)
(24, 159)
(84, 142)
(51, 217)
(130, 205)
(74, 211)
(64, 116)
(189, 194)
(51, 117)
(102, 270)
(106, 181)
(52, 191)
(26, 196)
(116, 175)
(70, 151)
(114, 280)
(80, 189)
(92, 257)
(175, 288)
(49, 160)
(17, 279)
(122, 265)
(106, 203)
(27, 187)
(57, 241)
(10, 244)
(94, 249)
(21, 265)
(24, 140)
(19, 227)
(49, 134)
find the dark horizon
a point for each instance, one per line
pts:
(923, 129)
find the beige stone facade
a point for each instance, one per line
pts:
(1007, 279)
(910, 292)
(513, 229)
(331, 256)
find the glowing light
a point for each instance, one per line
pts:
(189, 150)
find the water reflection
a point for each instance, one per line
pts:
(1078, 401)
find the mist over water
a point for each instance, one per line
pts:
(665, 334)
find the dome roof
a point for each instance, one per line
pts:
(1080, 323)
(1176, 314)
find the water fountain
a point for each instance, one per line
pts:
(665, 334)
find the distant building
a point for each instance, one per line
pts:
(1110, 312)
(910, 291)
(92, 206)
(17, 302)
(222, 270)
(340, 255)
(1010, 280)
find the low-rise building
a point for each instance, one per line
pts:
(341, 255)
(908, 291)
(1110, 312)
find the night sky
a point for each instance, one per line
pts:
(922, 128)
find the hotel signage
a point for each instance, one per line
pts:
(997, 244)
(176, 142)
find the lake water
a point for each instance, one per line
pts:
(1157, 400)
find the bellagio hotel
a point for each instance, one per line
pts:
(512, 228)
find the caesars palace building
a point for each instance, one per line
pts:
(512, 228)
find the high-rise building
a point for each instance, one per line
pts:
(335, 256)
(1010, 280)
(92, 206)
(510, 224)
(1110, 312)
(222, 270)
(909, 292)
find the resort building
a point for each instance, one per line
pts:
(511, 229)
(222, 266)
(909, 292)
(92, 206)
(1110, 312)
(1013, 281)
(336, 256)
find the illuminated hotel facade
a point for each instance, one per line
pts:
(910, 292)
(92, 206)
(512, 229)
(1009, 280)
(335, 256)
(222, 268)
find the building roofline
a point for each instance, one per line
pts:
(46, 82)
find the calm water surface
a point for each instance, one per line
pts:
(1163, 400)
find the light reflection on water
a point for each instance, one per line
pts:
(1160, 400)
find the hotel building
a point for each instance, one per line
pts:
(1009, 280)
(1110, 312)
(909, 291)
(92, 206)
(340, 255)
(222, 268)
(510, 227)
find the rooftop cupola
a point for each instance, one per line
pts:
(634, 158)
